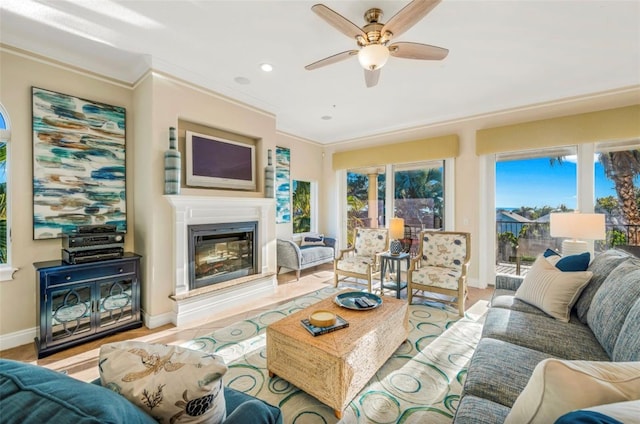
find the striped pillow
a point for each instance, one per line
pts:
(552, 290)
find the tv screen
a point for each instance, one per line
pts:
(216, 162)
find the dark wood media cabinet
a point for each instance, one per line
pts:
(83, 302)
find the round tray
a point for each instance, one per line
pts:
(347, 300)
(322, 318)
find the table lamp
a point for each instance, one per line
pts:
(396, 232)
(577, 227)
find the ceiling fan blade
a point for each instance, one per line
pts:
(409, 16)
(331, 60)
(338, 21)
(417, 51)
(371, 77)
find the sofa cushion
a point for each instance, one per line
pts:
(601, 267)
(613, 301)
(167, 382)
(30, 394)
(552, 290)
(499, 371)
(543, 334)
(476, 410)
(557, 387)
(627, 346)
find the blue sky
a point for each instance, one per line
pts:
(535, 183)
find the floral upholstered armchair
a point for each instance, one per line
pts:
(361, 261)
(441, 267)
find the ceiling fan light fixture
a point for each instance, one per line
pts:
(373, 56)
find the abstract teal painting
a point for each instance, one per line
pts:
(78, 164)
(283, 185)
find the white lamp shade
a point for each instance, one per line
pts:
(373, 56)
(584, 226)
(396, 228)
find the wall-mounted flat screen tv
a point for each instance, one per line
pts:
(216, 162)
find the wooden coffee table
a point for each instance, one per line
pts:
(334, 367)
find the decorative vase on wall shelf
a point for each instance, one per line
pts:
(172, 165)
(269, 187)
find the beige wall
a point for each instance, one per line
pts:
(153, 105)
(18, 74)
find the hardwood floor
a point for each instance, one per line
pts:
(81, 361)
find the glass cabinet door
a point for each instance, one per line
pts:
(70, 312)
(115, 303)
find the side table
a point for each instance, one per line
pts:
(394, 262)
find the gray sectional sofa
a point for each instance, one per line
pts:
(604, 326)
(298, 257)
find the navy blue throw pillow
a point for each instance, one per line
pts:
(548, 253)
(586, 417)
(574, 262)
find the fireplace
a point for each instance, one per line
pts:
(233, 212)
(221, 252)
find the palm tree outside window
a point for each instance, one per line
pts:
(4, 135)
(617, 177)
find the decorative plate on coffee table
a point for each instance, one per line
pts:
(358, 301)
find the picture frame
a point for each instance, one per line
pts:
(283, 185)
(79, 156)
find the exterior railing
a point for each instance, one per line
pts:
(519, 243)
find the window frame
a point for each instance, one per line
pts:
(6, 270)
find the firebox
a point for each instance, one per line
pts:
(221, 252)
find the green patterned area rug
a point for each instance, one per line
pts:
(420, 383)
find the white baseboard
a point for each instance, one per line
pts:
(19, 338)
(155, 321)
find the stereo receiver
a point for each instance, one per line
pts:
(76, 240)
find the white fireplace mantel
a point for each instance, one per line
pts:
(197, 210)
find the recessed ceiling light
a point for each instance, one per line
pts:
(242, 80)
(266, 67)
(326, 117)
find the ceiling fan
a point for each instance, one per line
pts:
(374, 37)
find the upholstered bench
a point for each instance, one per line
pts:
(306, 255)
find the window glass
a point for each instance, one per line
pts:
(3, 194)
(365, 200)
(301, 206)
(419, 199)
(529, 186)
(617, 192)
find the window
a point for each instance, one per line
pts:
(529, 186)
(301, 207)
(416, 192)
(617, 192)
(365, 200)
(419, 198)
(6, 271)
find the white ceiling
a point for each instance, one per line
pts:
(503, 54)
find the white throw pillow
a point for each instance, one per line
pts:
(552, 290)
(625, 412)
(312, 240)
(557, 387)
(169, 383)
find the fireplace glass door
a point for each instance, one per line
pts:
(221, 252)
